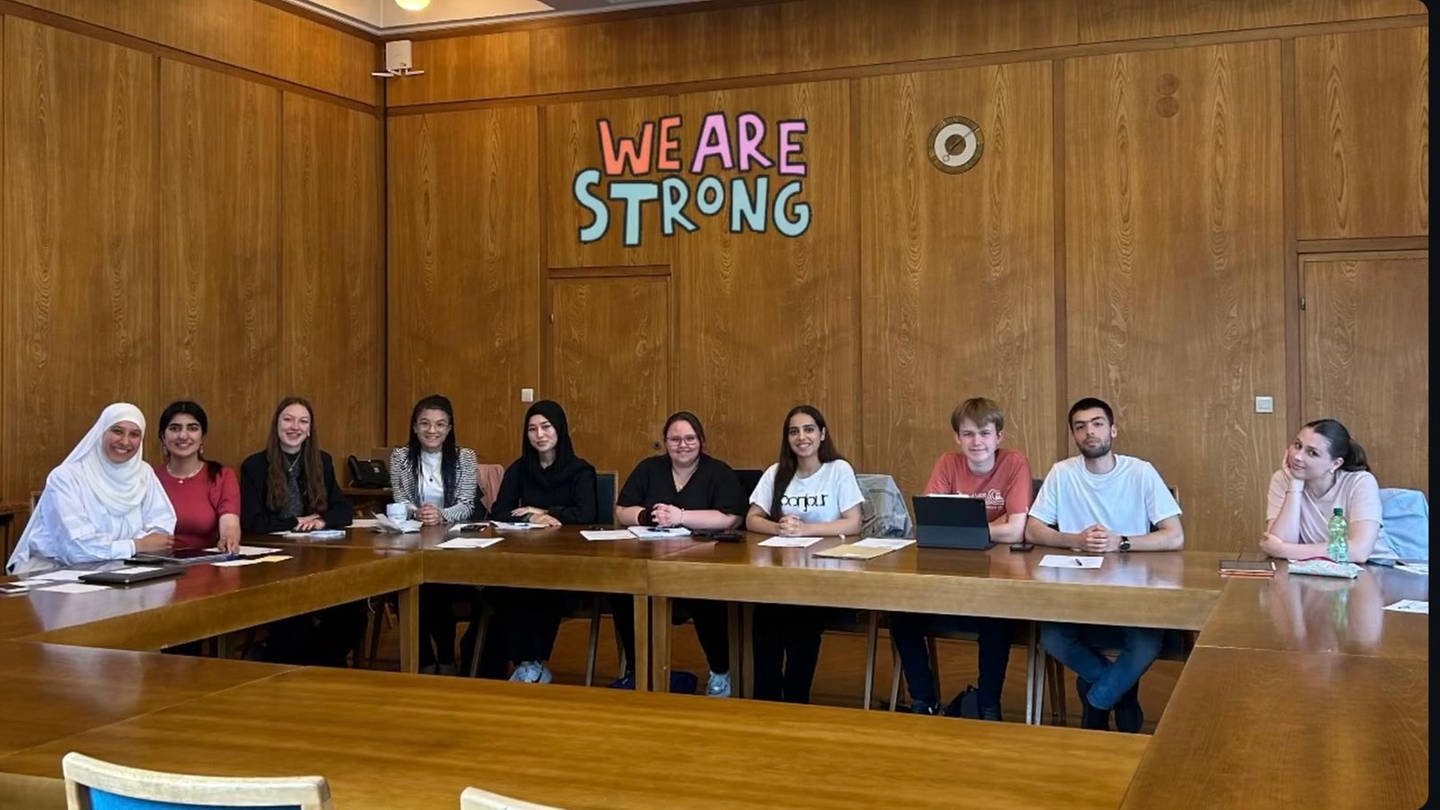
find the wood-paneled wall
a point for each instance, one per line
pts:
(1153, 172)
(180, 228)
(464, 272)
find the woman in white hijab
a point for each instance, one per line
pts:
(102, 503)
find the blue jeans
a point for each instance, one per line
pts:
(909, 631)
(1080, 648)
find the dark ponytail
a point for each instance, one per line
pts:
(1351, 454)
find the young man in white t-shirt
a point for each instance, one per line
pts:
(1100, 501)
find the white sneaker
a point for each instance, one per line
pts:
(542, 673)
(526, 672)
(718, 685)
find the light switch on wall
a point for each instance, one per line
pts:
(1264, 404)
(527, 394)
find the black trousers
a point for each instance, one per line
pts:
(437, 621)
(712, 627)
(322, 638)
(529, 620)
(786, 646)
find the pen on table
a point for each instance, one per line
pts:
(1077, 562)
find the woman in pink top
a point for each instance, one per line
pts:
(1324, 470)
(206, 495)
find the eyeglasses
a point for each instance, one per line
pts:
(677, 441)
(440, 427)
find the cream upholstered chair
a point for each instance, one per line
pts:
(474, 798)
(94, 783)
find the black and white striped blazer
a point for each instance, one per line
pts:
(403, 480)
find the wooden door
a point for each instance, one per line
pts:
(610, 363)
(1365, 355)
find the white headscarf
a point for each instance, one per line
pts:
(118, 487)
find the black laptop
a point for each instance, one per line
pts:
(131, 574)
(948, 521)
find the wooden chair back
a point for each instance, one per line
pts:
(88, 779)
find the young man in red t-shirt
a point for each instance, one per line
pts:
(978, 469)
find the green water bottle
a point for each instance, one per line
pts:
(1339, 548)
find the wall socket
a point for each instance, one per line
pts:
(528, 395)
(1264, 404)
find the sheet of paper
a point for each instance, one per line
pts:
(851, 551)
(790, 542)
(76, 587)
(469, 542)
(384, 523)
(364, 523)
(1423, 569)
(274, 558)
(502, 526)
(236, 563)
(1070, 561)
(607, 534)
(887, 543)
(318, 534)
(656, 533)
(136, 569)
(1410, 606)
(248, 551)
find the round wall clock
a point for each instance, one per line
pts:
(956, 144)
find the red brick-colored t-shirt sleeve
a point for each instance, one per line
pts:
(225, 493)
(1018, 485)
(942, 481)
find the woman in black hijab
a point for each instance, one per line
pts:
(551, 486)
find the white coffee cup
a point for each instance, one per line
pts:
(395, 511)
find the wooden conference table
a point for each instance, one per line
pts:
(1277, 663)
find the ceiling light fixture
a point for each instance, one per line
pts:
(412, 5)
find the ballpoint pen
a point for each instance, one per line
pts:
(1077, 562)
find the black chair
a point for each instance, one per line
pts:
(748, 478)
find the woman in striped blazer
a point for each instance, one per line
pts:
(435, 480)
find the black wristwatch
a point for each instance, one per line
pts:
(1124, 543)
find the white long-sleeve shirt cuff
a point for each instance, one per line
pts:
(122, 549)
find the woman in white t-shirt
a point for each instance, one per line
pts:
(1324, 470)
(810, 490)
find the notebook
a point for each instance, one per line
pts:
(1247, 568)
(945, 521)
(132, 574)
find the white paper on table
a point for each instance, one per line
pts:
(892, 543)
(76, 587)
(1070, 561)
(1410, 606)
(236, 563)
(248, 551)
(607, 534)
(63, 575)
(790, 542)
(502, 526)
(385, 524)
(1423, 569)
(317, 534)
(135, 569)
(657, 533)
(364, 523)
(469, 542)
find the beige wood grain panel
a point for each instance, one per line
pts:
(610, 339)
(765, 321)
(464, 271)
(1365, 352)
(960, 266)
(492, 65)
(1236, 731)
(220, 252)
(332, 273)
(841, 33)
(246, 33)
(1174, 277)
(1362, 134)
(79, 262)
(1106, 20)
(572, 144)
(664, 49)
